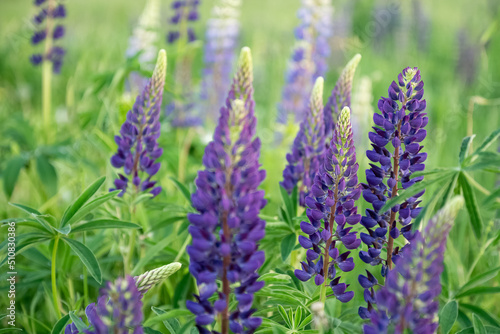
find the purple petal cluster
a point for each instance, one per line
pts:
(226, 229)
(221, 39)
(49, 30)
(185, 12)
(395, 156)
(340, 96)
(137, 143)
(330, 203)
(118, 310)
(409, 299)
(308, 147)
(309, 58)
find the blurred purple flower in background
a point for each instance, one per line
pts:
(408, 300)
(331, 201)
(137, 143)
(308, 60)
(221, 40)
(308, 147)
(185, 12)
(227, 228)
(48, 30)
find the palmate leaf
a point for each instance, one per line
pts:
(448, 316)
(36, 215)
(81, 200)
(172, 324)
(479, 290)
(488, 141)
(87, 257)
(480, 279)
(90, 206)
(471, 205)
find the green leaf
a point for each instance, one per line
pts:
(415, 189)
(448, 316)
(173, 325)
(163, 315)
(81, 200)
(480, 279)
(90, 206)
(297, 318)
(87, 256)
(471, 205)
(36, 215)
(492, 197)
(9, 330)
(480, 312)
(151, 253)
(484, 161)
(464, 148)
(47, 174)
(287, 245)
(60, 324)
(274, 278)
(284, 315)
(11, 174)
(100, 224)
(183, 189)
(80, 325)
(149, 330)
(288, 206)
(478, 325)
(488, 141)
(479, 290)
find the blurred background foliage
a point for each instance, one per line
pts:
(455, 43)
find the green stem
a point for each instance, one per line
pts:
(128, 261)
(53, 278)
(47, 77)
(322, 294)
(183, 248)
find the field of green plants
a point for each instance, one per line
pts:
(250, 166)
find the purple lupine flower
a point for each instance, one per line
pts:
(49, 13)
(308, 147)
(330, 203)
(221, 39)
(227, 228)
(340, 96)
(118, 310)
(137, 143)
(308, 60)
(408, 301)
(185, 12)
(401, 124)
(468, 56)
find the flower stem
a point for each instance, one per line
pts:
(53, 278)
(47, 77)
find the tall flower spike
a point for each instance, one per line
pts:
(221, 39)
(149, 279)
(143, 43)
(227, 228)
(49, 29)
(118, 310)
(309, 58)
(401, 122)
(408, 301)
(330, 203)
(341, 95)
(185, 13)
(308, 147)
(137, 143)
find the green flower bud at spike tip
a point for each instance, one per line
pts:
(341, 95)
(160, 72)
(244, 76)
(151, 278)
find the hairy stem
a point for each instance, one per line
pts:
(55, 298)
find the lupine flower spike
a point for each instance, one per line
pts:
(227, 228)
(221, 39)
(331, 203)
(137, 143)
(408, 301)
(308, 148)
(50, 30)
(401, 122)
(308, 60)
(340, 96)
(122, 301)
(143, 43)
(118, 310)
(149, 279)
(185, 14)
